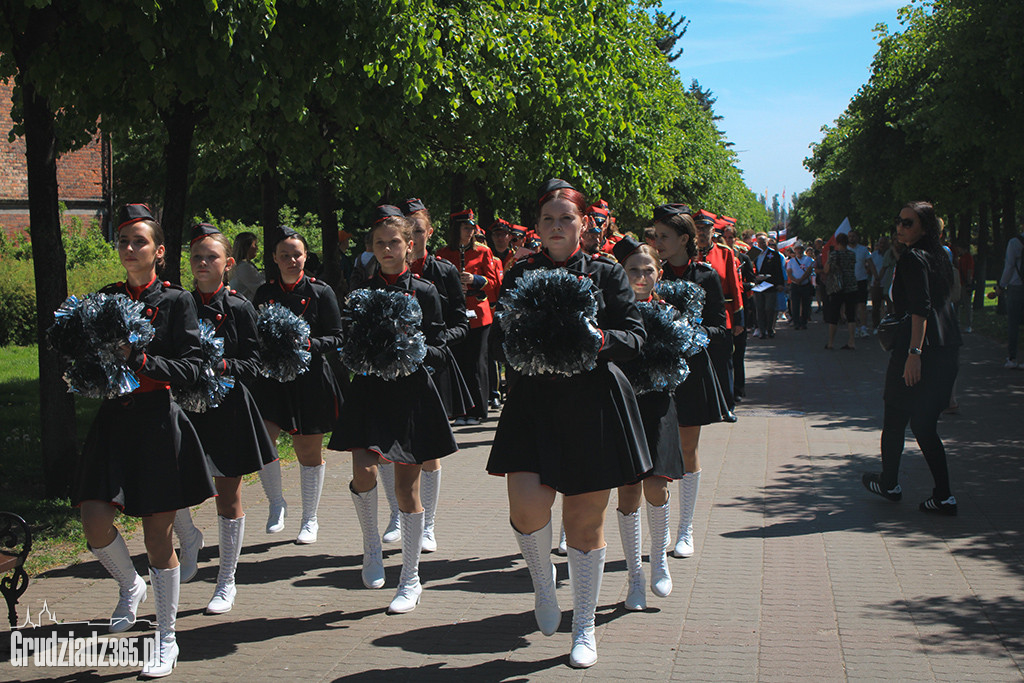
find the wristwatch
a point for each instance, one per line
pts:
(914, 351)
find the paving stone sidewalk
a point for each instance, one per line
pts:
(799, 572)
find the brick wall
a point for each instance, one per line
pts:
(80, 177)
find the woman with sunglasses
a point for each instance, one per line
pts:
(924, 358)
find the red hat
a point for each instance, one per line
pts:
(466, 215)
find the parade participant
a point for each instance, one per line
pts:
(233, 434)
(245, 277)
(401, 420)
(449, 381)
(723, 261)
(306, 407)
(658, 412)
(923, 360)
(142, 454)
(499, 239)
(700, 397)
(580, 435)
(739, 341)
(592, 241)
(480, 281)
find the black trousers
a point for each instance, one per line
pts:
(471, 355)
(800, 300)
(924, 425)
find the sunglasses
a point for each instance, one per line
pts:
(905, 222)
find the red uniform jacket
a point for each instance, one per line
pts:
(723, 260)
(479, 261)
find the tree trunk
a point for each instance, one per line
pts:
(180, 124)
(327, 206)
(981, 263)
(1009, 197)
(56, 405)
(484, 204)
(268, 214)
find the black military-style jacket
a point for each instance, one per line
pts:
(233, 319)
(713, 314)
(445, 277)
(618, 318)
(314, 301)
(432, 326)
(174, 355)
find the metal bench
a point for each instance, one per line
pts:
(15, 544)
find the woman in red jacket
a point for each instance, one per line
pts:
(480, 279)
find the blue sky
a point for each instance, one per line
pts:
(781, 69)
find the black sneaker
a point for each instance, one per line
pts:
(939, 507)
(873, 482)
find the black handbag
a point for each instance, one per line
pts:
(890, 329)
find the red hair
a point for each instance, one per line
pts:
(569, 194)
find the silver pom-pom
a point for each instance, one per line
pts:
(661, 365)
(550, 324)
(382, 334)
(90, 333)
(686, 296)
(211, 387)
(284, 343)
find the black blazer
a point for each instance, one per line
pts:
(918, 288)
(174, 355)
(618, 318)
(445, 277)
(432, 325)
(772, 267)
(234, 320)
(713, 318)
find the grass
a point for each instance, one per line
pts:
(57, 532)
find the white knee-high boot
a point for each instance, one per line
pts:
(561, 548)
(165, 587)
(373, 554)
(131, 587)
(430, 491)
(587, 569)
(312, 485)
(688, 487)
(231, 533)
(536, 550)
(393, 531)
(409, 588)
(270, 478)
(191, 539)
(657, 520)
(631, 534)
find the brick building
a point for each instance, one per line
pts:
(83, 178)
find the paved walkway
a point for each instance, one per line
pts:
(799, 572)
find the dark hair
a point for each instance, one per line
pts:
(931, 240)
(683, 224)
(455, 234)
(157, 231)
(243, 243)
(843, 239)
(296, 236)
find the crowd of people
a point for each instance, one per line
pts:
(581, 434)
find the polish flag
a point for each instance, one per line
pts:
(843, 229)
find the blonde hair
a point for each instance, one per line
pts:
(223, 241)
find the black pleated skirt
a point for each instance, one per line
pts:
(658, 412)
(939, 368)
(143, 455)
(699, 399)
(580, 434)
(452, 387)
(234, 436)
(309, 404)
(402, 420)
